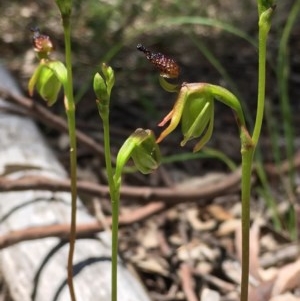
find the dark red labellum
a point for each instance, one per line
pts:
(167, 66)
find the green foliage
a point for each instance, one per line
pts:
(204, 154)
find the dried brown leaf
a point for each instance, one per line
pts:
(268, 274)
(219, 213)
(210, 295)
(288, 278)
(238, 242)
(228, 227)
(197, 182)
(262, 292)
(232, 270)
(154, 265)
(285, 297)
(254, 247)
(196, 223)
(148, 237)
(197, 251)
(286, 253)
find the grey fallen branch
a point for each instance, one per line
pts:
(82, 230)
(171, 195)
(45, 116)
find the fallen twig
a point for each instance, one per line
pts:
(168, 197)
(229, 184)
(82, 230)
(187, 282)
(45, 116)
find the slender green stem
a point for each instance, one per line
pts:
(266, 193)
(104, 113)
(262, 46)
(114, 254)
(247, 158)
(70, 111)
(115, 197)
(248, 149)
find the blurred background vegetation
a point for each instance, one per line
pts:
(212, 40)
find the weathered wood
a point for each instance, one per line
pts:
(36, 270)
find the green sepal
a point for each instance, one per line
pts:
(206, 137)
(196, 118)
(100, 89)
(48, 86)
(175, 115)
(46, 83)
(195, 113)
(34, 78)
(109, 76)
(60, 71)
(48, 79)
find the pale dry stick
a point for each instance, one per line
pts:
(44, 115)
(187, 282)
(100, 215)
(169, 197)
(222, 285)
(82, 230)
(229, 184)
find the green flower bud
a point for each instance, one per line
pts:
(100, 88)
(103, 84)
(142, 149)
(264, 5)
(146, 155)
(265, 19)
(109, 76)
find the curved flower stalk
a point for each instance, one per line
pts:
(194, 108)
(48, 79)
(145, 153)
(141, 147)
(50, 75)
